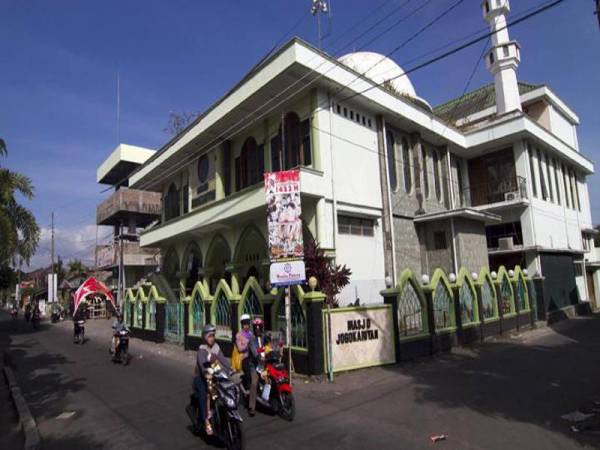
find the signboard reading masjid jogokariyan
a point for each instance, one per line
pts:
(362, 337)
(286, 246)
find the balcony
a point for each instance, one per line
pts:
(506, 193)
(126, 205)
(133, 255)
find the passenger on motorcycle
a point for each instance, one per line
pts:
(255, 359)
(208, 352)
(242, 340)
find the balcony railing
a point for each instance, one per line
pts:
(507, 190)
(125, 204)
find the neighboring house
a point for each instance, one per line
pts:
(493, 178)
(127, 211)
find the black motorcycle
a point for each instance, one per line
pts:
(79, 332)
(225, 420)
(122, 351)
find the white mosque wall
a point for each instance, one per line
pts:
(562, 128)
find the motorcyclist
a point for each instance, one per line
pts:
(117, 326)
(77, 316)
(255, 359)
(208, 352)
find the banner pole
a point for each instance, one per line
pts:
(288, 326)
(329, 346)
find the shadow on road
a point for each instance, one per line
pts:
(518, 381)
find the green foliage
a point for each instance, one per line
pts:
(18, 227)
(330, 279)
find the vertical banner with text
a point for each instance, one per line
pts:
(286, 246)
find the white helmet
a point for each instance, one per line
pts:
(245, 317)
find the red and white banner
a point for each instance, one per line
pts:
(283, 215)
(89, 287)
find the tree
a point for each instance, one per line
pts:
(77, 268)
(331, 279)
(18, 228)
(179, 122)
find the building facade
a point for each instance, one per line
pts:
(493, 178)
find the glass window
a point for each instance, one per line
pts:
(566, 184)
(276, 153)
(172, 203)
(532, 170)
(436, 175)
(548, 172)
(556, 182)
(357, 226)
(542, 177)
(391, 160)
(203, 169)
(577, 201)
(297, 151)
(406, 164)
(249, 164)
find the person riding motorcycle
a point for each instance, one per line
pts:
(256, 354)
(208, 352)
(117, 326)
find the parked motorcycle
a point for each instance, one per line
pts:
(224, 396)
(122, 351)
(274, 390)
(79, 331)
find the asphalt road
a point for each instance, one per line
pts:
(503, 394)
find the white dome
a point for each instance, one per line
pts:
(380, 69)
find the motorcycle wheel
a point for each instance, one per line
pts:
(287, 410)
(124, 357)
(82, 337)
(235, 438)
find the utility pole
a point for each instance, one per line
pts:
(52, 281)
(52, 251)
(319, 7)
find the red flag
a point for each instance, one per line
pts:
(92, 286)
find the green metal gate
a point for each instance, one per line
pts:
(174, 322)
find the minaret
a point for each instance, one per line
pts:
(503, 58)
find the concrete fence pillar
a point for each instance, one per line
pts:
(315, 332)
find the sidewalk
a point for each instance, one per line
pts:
(11, 436)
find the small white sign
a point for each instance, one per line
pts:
(287, 273)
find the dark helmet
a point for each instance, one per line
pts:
(208, 329)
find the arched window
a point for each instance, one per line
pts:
(436, 176)
(406, 162)
(172, 203)
(297, 147)
(251, 163)
(391, 160)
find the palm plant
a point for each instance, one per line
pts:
(18, 228)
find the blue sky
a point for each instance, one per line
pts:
(59, 62)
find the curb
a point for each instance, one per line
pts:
(26, 420)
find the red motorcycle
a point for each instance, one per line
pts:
(274, 390)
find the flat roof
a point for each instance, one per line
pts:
(121, 163)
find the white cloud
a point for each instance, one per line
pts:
(77, 242)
